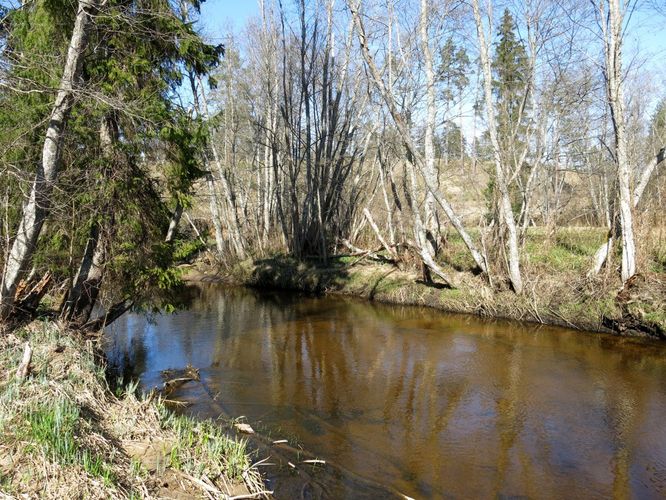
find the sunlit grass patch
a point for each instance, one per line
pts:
(51, 428)
(203, 447)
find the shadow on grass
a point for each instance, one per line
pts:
(433, 284)
(378, 283)
(288, 273)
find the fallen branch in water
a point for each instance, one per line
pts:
(245, 428)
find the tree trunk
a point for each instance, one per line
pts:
(406, 137)
(85, 288)
(215, 212)
(232, 217)
(173, 223)
(36, 208)
(613, 33)
(420, 233)
(613, 45)
(430, 172)
(504, 202)
(82, 296)
(603, 251)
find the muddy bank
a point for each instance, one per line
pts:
(592, 304)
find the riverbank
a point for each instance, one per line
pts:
(67, 434)
(593, 304)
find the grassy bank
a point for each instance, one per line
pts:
(66, 434)
(557, 289)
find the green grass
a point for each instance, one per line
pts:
(570, 250)
(97, 467)
(658, 261)
(204, 447)
(51, 427)
(67, 439)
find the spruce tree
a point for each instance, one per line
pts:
(510, 76)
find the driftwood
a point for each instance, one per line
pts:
(244, 428)
(24, 367)
(173, 379)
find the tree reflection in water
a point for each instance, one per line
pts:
(428, 403)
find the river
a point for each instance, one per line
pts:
(427, 404)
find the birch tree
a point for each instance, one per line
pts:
(612, 26)
(36, 209)
(405, 136)
(611, 18)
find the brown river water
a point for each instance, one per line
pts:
(412, 401)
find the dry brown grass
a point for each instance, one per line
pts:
(66, 435)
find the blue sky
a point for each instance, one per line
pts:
(218, 15)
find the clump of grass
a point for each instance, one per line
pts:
(202, 447)
(580, 241)
(51, 427)
(658, 259)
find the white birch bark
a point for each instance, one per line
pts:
(614, 85)
(612, 30)
(429, 171)
(173, 222)
(36, 209)
(603, 251)
(420, 234)
(646, 175)
(505, 210)
(215, 212)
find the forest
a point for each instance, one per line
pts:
(498, 158)
(495, 144)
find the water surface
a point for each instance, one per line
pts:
(428, 404)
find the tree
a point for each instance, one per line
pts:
(511, 71)
(506, 218)
(124, 114)
(610, 16)
(413, 157)
(453, 73)
(36, 208)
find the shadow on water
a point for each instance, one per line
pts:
(411, 400)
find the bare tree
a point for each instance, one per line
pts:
(413, 154)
